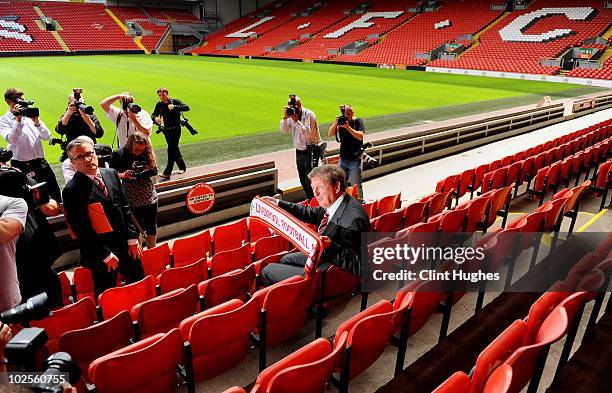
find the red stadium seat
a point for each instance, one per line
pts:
(437, 202)
(453, 220)
(156, 260)
(220, 336)
(232, 285)
(183, 277)
(268, 246)
(146, 366)
(73, 316)
(230, 236)
(499, 381)
(258, 230)
(477, 213)
(164, 313)
(388, 204)
(226, 261)
(114, 300)
(415, 212)
(389, 222)
(188, 250)
(83, 283)
(66, 288)
(459, 382)
(87, 344)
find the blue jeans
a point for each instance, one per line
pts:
(353, 173)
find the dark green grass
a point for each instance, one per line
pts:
(232, 97)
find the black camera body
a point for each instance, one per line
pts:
(342, 119)
(5, 155)
(25, 109)
(15, 184)
(87, 109)
(140, 172)
(59, 141)
(103, 152)
(290, 111)
(185, 123)
(368, 161)
(129, 105)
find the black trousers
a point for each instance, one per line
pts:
(42, 173)
(173, 136)
(290, 265)
(303, 160)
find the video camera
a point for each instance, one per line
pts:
(24, 108)
(369, 162)
(342, 119)
(59, 141)
(14, 183)
(22, 350)
(140, 172)
(292, 106)
(185, 123)
(104, 153)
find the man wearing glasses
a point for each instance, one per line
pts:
(105, 252)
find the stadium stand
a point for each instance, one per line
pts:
(87, 27)
(172, 15)
(507, 48)
(135, 14)
(25, 35)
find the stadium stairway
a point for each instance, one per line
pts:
(481, 32)
(55, 34)
(137, 40)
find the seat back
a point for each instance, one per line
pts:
(576, 196)
(87, 344)
(270, 245)
(389, 222)
(454, 221)
(414, 213)
(479, 173)
(514, 173)
(388, 204)
(497, 352)
(603, 175)
(83, 283)
(499, 178)
(539, 311)
(219, 336)
(188, 250)
(553, 213)
(230, 236)
(494, 165)
(146, 366)
(499, 200)
(233, 285)
(368, 334)
(66, 289)
(155, 260)
(258, 230)
(423, 298)
(477, 209)
(287, 307)
(73, 316)
(164, 313)
(114, 300)
(465, 179)
(370, 209)
(438, 202)
(182, 277)
(527, 168)
(226, 261)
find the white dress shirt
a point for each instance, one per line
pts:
(299, 132)
(310, 120)
(122, 134)
(24, 138)
(334, 206)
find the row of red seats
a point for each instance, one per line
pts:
(518, 355)
(42, 40)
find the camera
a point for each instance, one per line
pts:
(185, 123)
(369, 162)
(5, 155)
(292, 108)
(87, 109)
(104, 153)
(129, 105)
(290, 111)
(140, 172)
(24, 108)
(342, 119)
(15, 184)
(33, 309)
(56, 367)
(59, 141)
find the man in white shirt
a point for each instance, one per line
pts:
(13, 213)
(301, 136)
(24, 137)
(128, 119)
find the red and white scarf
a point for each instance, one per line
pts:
(295, 231)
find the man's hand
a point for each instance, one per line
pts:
(158, 120)
(112, 263)
(36, 121)
(131, 114)
(170, 107)
(16, 108)
(135, 250)
(295, 118)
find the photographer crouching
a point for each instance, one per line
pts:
(79, 119)
(167, 116)
(24, 132)
(350, 131)
(136, 165)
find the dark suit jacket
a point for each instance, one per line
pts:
(344, 229)
(78, 194)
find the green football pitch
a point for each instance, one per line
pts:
(237, 97)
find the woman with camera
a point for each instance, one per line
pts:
(136, 165)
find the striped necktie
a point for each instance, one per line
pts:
(323, 223)
(100, 184)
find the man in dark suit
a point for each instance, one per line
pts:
(102, 253)
(340, 219)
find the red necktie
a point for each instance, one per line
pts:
(100, 184)
(323, 223)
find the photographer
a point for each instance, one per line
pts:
(136, 165)
(78, 120)
(23, 130)
(37, 247)
(168, 110)
(349, 131)
(128, 119)
(13, 213)
(300, 134)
